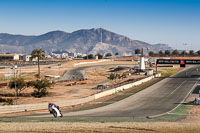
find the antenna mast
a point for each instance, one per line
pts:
(101, 37)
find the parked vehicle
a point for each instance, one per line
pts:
(55, 110)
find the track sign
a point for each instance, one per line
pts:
(167, 61)
(192, 61)
(182, 63)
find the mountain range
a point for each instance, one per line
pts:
(95, 40)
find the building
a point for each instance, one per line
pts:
(9, 57)
(28, 58)
(72, 54)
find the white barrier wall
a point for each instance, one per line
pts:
(28, 107)
(105, 93)
(124, 87)
(75, 101)
(32, 107)
(83, 63)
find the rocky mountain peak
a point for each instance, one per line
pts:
(80, 41)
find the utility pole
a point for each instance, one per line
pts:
(14, 67)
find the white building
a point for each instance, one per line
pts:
(28, 58)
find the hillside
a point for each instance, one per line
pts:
(81, 41)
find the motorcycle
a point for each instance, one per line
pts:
(55, 110)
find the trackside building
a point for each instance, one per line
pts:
(9, 57)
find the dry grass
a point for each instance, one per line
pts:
(100, 127)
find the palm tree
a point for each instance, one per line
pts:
(39, 54)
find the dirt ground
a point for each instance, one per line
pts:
(62, 90)
(53, 127)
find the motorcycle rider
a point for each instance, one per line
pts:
(54, 109)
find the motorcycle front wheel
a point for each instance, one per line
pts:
(54, 113)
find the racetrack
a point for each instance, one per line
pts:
(157, 99)
(79, 73)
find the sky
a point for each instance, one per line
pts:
(173, 22)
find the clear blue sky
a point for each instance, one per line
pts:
(154, 21)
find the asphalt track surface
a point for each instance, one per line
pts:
(79, 73)
(155, 100)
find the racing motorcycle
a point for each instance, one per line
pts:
(55, 110)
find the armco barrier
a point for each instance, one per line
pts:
(40, 106)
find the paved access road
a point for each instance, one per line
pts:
(157, 99)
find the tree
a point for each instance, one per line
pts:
(167, 52)
(99, 56)
(191, 52)
(39, 54)
(40, 87)
(137, 51)
(160, 52)
(111, 76)
(183, 53)
(175, 52)
(108, 54)
(198, 52)
(90, 56)
(20, 84)
(151, 53)
(115, 76)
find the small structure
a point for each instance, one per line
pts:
(97, 57)
(52, 76)
(28, 58)
(142, 62)
(149, 72)
(101, 87)
(9, 57)
(197, 101)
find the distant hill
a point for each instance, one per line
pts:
(81, 41)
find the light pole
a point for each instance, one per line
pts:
(15, 67)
